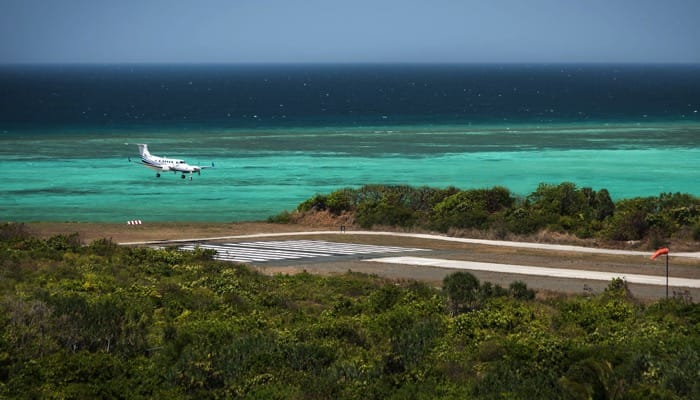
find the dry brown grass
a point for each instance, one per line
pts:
(324, 220)
(90, 231)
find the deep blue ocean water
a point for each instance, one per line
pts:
(281, 133)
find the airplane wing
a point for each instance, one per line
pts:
(194, 168)
(150, 166)
(156, 167)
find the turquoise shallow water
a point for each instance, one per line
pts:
(84, 175)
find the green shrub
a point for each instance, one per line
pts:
(316, 203)
(696, 231)
(285, 217)
(14, 232)
(112, 321)
(339, 201)
(462, 290)
(518, 290)
(64, 242)
(583, 212)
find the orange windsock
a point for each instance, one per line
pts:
(659, 252)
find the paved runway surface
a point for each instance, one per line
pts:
(501, 243)
(540, 271)
(325, 256)
(266, 251)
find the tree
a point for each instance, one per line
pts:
(462, 289)
(519, 290)
(605, 207)
(557, 200)
(592, 379)
(339, 201)
(630, 221)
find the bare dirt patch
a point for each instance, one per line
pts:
(89, 231)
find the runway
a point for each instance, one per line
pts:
(279, 250)
(498, 243)
(539, 271)
(268, 251)
(553, 267)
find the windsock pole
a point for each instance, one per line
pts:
(659, 252)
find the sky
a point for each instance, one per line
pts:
(350, 31)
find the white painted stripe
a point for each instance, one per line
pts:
(246, 250)
(305, 248)
(310, 252)
(296, 245)
(252, 257)
(251, 250)
(289, 249)
(540, 271)
(333, 247)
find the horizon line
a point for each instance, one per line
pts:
(350, 63)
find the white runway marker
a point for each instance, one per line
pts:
(263, 251)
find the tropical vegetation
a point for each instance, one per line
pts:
(99, 320)
(582, 212)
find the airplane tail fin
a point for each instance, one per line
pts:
(143, 150)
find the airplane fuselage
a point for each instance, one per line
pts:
(164, 164)
(168, 164)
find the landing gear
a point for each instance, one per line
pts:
(158, 175)
(182, 176)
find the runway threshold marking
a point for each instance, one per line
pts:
(263, 251)
(539, 271)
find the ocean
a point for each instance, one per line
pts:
(278, 134)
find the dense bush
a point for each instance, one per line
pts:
(471, 209)
(104, 321)
(583, 212)
(465, 293)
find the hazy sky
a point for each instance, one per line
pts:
(207, 31)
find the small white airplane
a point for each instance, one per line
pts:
(164, 164)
